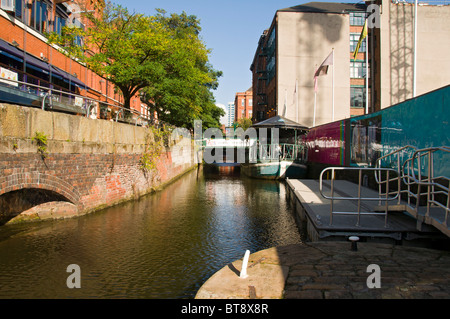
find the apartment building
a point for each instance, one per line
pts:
(26, 56)
(385, 70)
(243, 105)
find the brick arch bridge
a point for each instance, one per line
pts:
(37, 180)
(90, 164)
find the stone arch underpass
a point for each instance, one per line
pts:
(21, 193)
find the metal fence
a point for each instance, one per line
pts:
(419, 170)
(359, 198)
(51, 99)
(277, 152)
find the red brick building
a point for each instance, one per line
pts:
(243, 104)
(26, 56)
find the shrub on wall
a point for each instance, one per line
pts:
(41, 140)
(155, 142)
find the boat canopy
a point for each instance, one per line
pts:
(280, 122)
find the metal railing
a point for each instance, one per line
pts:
(54, 99)
(417, 173)
(359, 198)
(277, 152)
(399, 158)
(419, 170)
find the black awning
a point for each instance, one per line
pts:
(68, 77)
(24, 56)
(46, 67)
(280, 122)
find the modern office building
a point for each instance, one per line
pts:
(230, 114)
(321, 37)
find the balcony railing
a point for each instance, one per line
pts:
(263, 153)
(52, 99)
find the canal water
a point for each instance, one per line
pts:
(164, 246)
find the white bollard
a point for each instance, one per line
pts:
(354, 240)
(244, 265)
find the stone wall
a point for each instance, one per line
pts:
(91, 164)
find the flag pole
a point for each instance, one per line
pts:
(415, 51)
(315, 103)
(367, 73)
(333, 85)
(296, 97)
(315, 100)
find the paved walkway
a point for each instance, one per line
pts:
(330, 270)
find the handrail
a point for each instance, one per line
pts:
(428, 151)
(359, 198)
(87, 107)
(65, 93)
(279, 151)
(406, 173)
(430, 182)
(398, 178)
(379, 160)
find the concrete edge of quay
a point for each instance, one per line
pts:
(331, 270)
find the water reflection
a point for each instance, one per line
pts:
(162, 246)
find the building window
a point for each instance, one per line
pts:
(354, 38)
(271, 69)
(59, 24)
(271, 42)
(13, 7)
(60, 19)
(18, 9)
(358, 70)
(7, 5)
(357, 18)
(39, 16)
(357, 96)
(271, 46)
(243, 102)
(250, 102)
(260, 115)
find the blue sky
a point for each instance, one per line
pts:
(230, 28)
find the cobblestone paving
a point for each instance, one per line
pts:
(330, 270)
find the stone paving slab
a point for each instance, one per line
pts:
(331, 270)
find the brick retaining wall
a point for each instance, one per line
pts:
(91, 171)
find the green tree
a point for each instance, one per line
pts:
(183, 92)
(161, 57)
(244, 123)
(120, 46)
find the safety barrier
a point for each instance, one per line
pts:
(359, 198)
(51, 99)
(413, 174)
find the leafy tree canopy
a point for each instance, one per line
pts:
(161, 56)
(244, 123)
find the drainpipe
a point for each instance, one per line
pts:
(415, 51)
